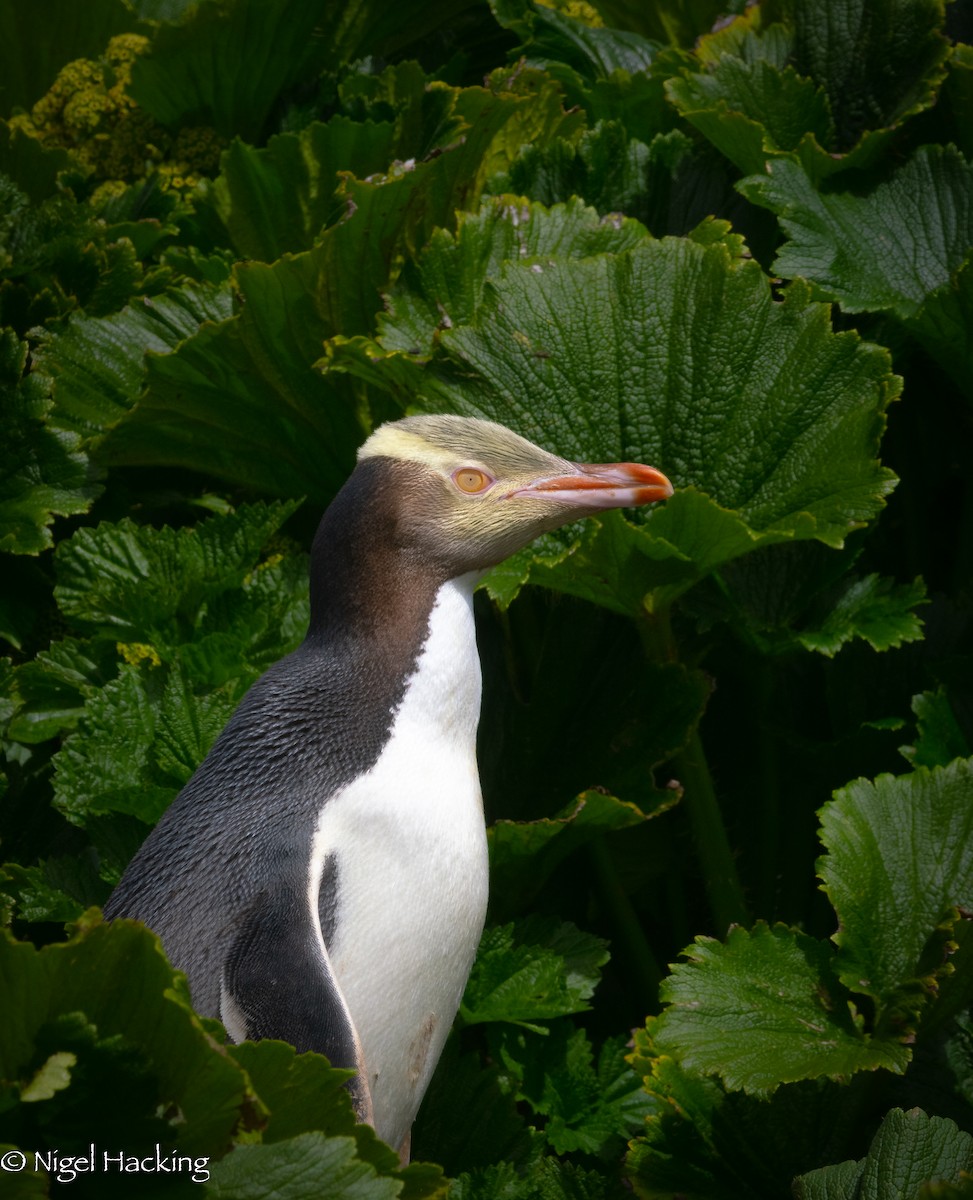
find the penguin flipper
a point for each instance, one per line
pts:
(277, 983)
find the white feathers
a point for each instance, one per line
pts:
(409, 845)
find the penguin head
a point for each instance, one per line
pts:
(471, 492)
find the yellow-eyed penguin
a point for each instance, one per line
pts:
(322, 878)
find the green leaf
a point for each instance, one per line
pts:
(108, 996)
(840, 1182)
(909, 1151)
(227, 65)
(52, 1077)
(282, 427)
(283, 1079)
(545, 1179)
(279, 199)
(878, 62)
(873, 608)
(608, 169)
(201, 617)
(679, 22)
(767, 1008)
(523, 854)
(532, 970)
(148, 585)
(53, 687)
(103, 767)
(298, 1169)
(285, 1082)
(550, 37)
(97, 365)
(44, 472)
(888, 248)
(598, 358)
(944, 326)
(813, 80)
(939, 738)
(700, 1140)
(752, 111)
(589, 1106)
(446, 285)
(37, 898)
(189, 725)
(901, 848)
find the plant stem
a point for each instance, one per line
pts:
(762, 690)
(712, 843)
(642, 963)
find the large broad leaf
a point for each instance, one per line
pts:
(899, 863)
(700, 1140)
(910, 1154)
(99, 1043)
(43, 471)
(752, 111)
(889, 248)
(551, 37)
(147, 584)
(610, 170)
(226, 64)
(680, 22)
(115, 981)
(939, 737)
(524, 853)
(814, 80)
(199, 616)
(532, 970)
(877, 61)
(303, 1168)
(446, 285)
(873, 608)
(97, 365)
(591, 1104)
(673, 353)
(767, 1008)
(279, 199)
(281, 426)
(944, 325)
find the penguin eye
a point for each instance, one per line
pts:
(471, 480)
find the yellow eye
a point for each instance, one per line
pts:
(471, 480)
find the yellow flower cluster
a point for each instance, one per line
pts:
(136, 653)
(88, 112)
(577, 10)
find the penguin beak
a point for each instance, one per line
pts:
(602, 485)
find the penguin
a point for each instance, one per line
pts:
(322, 877)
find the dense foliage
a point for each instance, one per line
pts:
(730, 734)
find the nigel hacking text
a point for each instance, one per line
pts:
(65, 1167)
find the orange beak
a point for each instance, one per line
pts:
(602, 485)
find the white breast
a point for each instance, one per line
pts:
(410, 848)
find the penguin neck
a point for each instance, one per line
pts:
(387, 621)
(365, 585)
